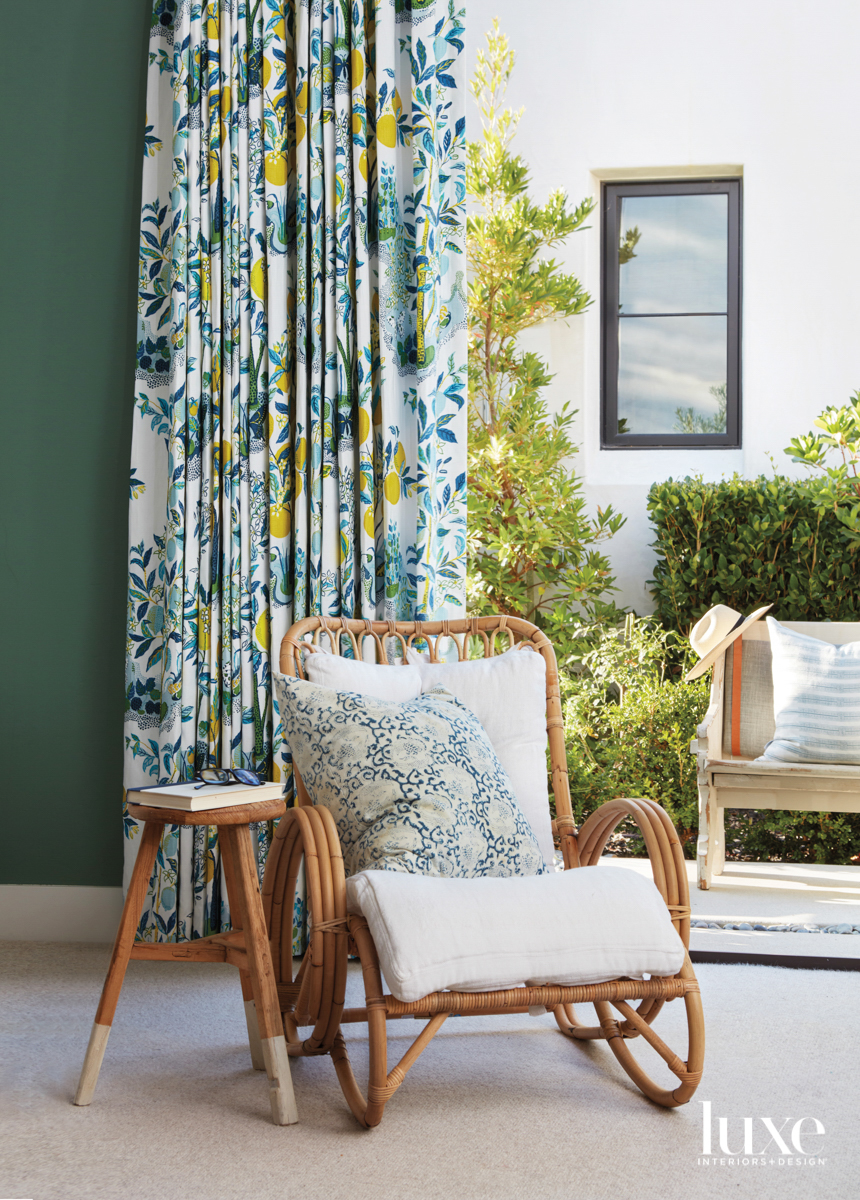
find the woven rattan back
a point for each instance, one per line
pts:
(472, 637)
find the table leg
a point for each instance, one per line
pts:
(269, 1019)
(132, 909)
(229, 873)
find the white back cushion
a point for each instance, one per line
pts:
(507, 694)
(383, 682)
(587, 925)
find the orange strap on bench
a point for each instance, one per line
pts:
(737, 670)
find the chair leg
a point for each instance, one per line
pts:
(245, 897)
(119, 961)
(638, 1022)
(382, 1083)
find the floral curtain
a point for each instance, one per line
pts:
(299, 421)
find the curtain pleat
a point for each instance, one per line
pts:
(299, 430)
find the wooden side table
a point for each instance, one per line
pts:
(246, 947)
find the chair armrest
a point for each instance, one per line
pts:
(661, 843)
(309, 834)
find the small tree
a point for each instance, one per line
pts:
(532, 548)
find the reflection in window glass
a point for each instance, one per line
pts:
(672, 375)
(678, 254)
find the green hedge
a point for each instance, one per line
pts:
(748, 542)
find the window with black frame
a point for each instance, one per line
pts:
(671, 314)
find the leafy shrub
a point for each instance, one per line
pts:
(780, 836)
(629, 726)
(748, 542)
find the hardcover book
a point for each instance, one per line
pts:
(195, 797)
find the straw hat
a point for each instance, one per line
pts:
(718, 628)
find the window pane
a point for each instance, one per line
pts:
(672, 375)
(676, 249)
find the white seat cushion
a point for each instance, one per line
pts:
(771, 769)
(586, 925)
(507, 694)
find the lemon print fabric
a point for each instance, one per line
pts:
(386, 130)
(300, 379)
(276, 167)
(258, 279)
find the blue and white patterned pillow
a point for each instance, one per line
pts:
(413, 787)
(816, 699)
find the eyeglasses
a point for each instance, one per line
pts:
(223, 775)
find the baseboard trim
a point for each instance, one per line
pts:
(803, 962)
(45, 913)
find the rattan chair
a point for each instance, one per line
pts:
(315, 998)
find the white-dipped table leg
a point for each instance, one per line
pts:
(244, 894)
(119, 961)
(284, 1111)
(92, 1064)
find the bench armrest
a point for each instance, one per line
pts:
(708, 731)
(708, 742)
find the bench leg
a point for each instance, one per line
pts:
(718, 820)
(244, 893)
(711, 845)
(119, 961)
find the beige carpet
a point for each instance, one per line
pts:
(504, 1107)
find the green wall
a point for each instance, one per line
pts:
(73, 103)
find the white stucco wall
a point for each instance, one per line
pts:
(769, 85)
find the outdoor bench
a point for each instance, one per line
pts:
(738, 725)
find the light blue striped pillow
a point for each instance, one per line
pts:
(816, 699)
